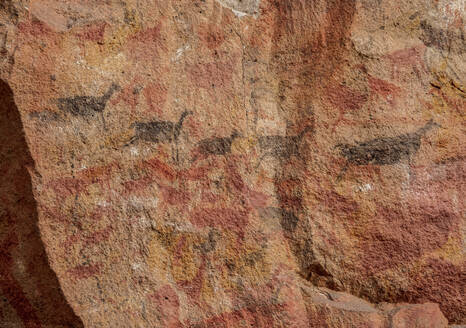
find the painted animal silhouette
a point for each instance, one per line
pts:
(281, 147)
(384, 151)
(87, 106)
(217, 146)
(159, 131)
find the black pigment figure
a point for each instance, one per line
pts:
(281, 147)
(384, 151)
(159, 131)
(217, 146)
(87, 106)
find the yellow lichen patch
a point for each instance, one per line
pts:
(451, 250)
(104, 59)
(118, 140)
(245, 259)
(115, 40)
(447, 142)
(208, 293)
(158, 259)
(243, 145)
(185, 262)
(278, 253)
(181, 251)
(448, 99)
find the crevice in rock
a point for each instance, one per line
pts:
(311, 56)
(30, 293)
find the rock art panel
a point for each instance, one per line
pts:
(227, 163)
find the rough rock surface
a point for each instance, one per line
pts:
(232, 163)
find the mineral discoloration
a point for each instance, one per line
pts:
(242, 7)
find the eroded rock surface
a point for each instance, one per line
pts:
(224, 163)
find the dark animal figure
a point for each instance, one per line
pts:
(384, 151)
(446, 40)
(159, 131)
(281, 147)
(87, 106)
(217, 146)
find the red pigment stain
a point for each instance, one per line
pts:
(70, 241)
(211, 75)
(225, 218)
(129, 95)
(138, 185)
(287, 195)
(410, 235)
(175, 196)
(338, 204)
(257, 199)
(210, 197)
(65, 187)
(386, 89)
(258, 315)
(146, 44)
(167, 303)
(98, 173)
(193, 287)
(94, 32)
(34, 28)
(440, 280)
(194, 174)
(101, 212)
(84, 271)
(160, 169)
(98, 236)
(234, 178)
(345, 99)
(211, 35)
(92, 239)
(408, 58)
(53, 214)
(254, 198)
(156, 96)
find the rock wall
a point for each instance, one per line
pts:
(232, 163)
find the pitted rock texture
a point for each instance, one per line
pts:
(222, 163)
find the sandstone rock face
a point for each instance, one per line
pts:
(232, 163)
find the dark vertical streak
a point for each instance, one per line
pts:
(27, 282)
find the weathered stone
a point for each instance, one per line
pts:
(227, 163)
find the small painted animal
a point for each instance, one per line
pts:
(217, 146)
(86, 105)
(385, 151)
(281, 147)
(159, 131)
